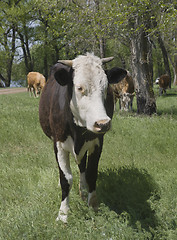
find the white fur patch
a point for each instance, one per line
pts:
(68, 146)
(64, 208)
(64, 163)
(90, 85)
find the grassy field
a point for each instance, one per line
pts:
(137, 181)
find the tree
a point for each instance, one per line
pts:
(46, 30)
(141, 68)
(134, 16)
(25, 32)
(7, 40)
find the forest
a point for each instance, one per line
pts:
(141, 35)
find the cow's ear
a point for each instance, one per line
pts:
(63, 75)
(115, 74)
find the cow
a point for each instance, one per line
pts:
(163, 82)
(36, 82)
(124, 91)
(75, 111)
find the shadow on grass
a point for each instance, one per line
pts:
(128, 189)
(171, 111)
(167, 95)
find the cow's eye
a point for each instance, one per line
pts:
(81, 90)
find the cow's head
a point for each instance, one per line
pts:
(89, 91)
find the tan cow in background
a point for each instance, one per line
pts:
(36, 82)
(124, 91)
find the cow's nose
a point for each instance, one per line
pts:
(102, 125)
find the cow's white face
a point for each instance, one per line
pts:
(89, 89)
(157, 80)
(89, 92)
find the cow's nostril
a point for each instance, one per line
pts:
(102, 125)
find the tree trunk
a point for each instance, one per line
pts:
(102, 47)
(165, 57)
(46, 50)
(10, 58)
(29, 58)
(26, 50)
(175, 59)
(175, 69)
(2, 81)
(142, 73)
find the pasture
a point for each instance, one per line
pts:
(136, 186)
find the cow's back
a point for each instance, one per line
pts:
(42, 81)
(33, 78)
(124, 86)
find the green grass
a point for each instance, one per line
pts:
(136, 187)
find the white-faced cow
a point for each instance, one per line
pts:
(163, 82)
(124, 91)
(36, 82)
(75, 111)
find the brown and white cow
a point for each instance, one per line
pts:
(75, 111)
(124, 91)
(36, 82)
(163, 82)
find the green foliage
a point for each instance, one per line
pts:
(136, 182)
(64, 29)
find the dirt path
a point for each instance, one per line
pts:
(12, 90)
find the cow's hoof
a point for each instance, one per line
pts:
(93, 202)
(62, 217)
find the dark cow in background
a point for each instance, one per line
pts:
(36, 82)
(75, 111)
(124, 91)
(163, 82)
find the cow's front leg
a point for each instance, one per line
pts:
(92, 173)
(65, 180)
(83, 187)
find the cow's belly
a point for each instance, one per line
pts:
(89, 146)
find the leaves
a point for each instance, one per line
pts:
(80, 25)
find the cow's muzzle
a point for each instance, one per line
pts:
(102, 126)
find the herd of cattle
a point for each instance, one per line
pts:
(75, 111)
(124, 91)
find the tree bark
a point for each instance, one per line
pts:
(165, 57)
(46, 52)
(102, 47)
(142, 73)
(175, 69)
(175, 61)
(10, 55)
(2, 81)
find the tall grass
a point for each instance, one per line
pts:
(137, 181)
